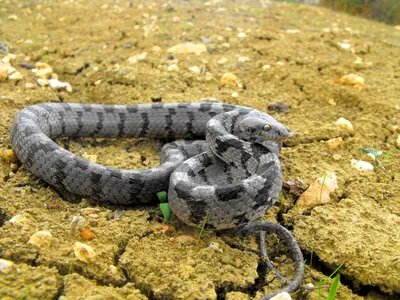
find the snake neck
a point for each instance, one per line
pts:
(221, 138)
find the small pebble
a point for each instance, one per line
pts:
(29, 85)
(243, 59)
(266, 67)
(173, 68)
(241, 35)
(282, 296)
(296, 187)
(235, 94)
(362, 165)
(357, 82)
(167, 229)
(156, 49)
(398, 142)
(43, 82)
(334, 143)
(87, 234)
(13, 17)
(226, 45)
(222, 61)
(345, 46)
(42, 70)
(41, 240)
(184, 239)
(16, 76)
(292, 31)
(3, 71)
(215, 246)
(206, 40)
(6, 266)
(279, 63)
(187, 48)
(139, 57)
(195, 69)
(59, 86)
(345, 124)
(19, 219)
(319, 192)
(84, 252)
(8, 58)
(229, 79)
(90, 211)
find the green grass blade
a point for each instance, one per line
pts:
(166, 211)
(202, 227)
(334, 287)
(162, 196)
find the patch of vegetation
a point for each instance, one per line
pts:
(387, 11)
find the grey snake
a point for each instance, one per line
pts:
(233, 177)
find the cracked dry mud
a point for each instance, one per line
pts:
(88, 45)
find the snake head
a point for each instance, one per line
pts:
(263, 127)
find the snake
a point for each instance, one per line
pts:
(221, 164)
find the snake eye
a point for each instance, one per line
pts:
(267, 127)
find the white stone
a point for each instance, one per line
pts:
(84, 252)
(243, 59)
(41, 239)
(134, 59)
(187, 48)
(266, 67)
(6, 266)
(362, 165)
(16, 76)
(235, 94)
(282, 296)
(173, 68)
(19, 219)
(222, 61)
(345, 46)
(292, 31)
(195, 69)
(226, 45)
(345, 124)
(58, 85)
(241, 35)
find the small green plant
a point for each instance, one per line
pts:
(202, 227)
(164, 206)
(374, 155)
(334, 286)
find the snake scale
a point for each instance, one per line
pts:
(233, 177)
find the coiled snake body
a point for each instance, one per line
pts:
(233, 177)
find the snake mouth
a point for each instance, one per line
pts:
(279, 138)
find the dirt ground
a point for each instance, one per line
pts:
(280, 53)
